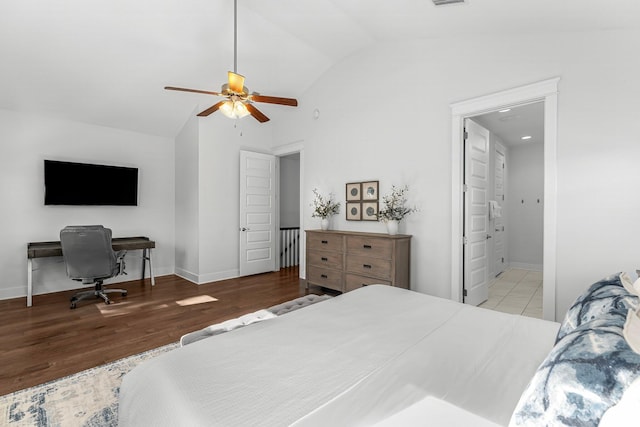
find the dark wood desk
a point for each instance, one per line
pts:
(53, 249)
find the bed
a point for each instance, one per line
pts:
(378, 355)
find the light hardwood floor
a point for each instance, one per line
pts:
(49, 340)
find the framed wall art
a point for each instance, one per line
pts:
(362, 201)
(370, 211)
(354, 191)
(354, 211)
(370, 190)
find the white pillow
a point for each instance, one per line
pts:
(631, 330)
(632, 287)
(627, 411)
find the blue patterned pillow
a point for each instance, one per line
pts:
(604, 299)
(585, 374)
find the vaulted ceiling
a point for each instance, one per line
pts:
(106, 61)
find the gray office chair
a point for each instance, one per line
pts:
(89, 258)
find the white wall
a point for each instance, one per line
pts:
(186, 200)
(290, 190)
(26, 140)
(525, 202)
(375, 126)
(211, 219)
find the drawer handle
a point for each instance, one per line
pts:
(324, 242)
(366, 265)
(324, 276)
(324, 258)
(366, 246)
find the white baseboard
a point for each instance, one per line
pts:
(15, 292)
(200, 279)
(525, 266)
(216, 277)
(67, 284)
(187, 275)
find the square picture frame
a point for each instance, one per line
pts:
(354, 211)
(370, 211)
(370, 190)
(353, 191)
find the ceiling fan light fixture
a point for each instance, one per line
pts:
(234, 109)
(239, 101)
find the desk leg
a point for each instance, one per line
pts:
(153, 279)
(29, 281)
(146, 257)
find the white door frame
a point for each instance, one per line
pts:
(546, 91)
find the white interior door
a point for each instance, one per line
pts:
(257, 213)
(476, 213)
(499, 240)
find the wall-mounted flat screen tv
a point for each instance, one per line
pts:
(67, 183)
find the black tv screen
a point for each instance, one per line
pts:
(67, 183)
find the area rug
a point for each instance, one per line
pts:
(88, 398)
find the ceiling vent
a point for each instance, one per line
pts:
(443, 2)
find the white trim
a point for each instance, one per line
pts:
(525, 266)
(286, 149)
(546, 90)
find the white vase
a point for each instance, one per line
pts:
(392, 227)
(324, 223)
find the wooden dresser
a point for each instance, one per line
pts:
(347, 260)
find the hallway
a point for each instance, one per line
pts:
(516, 291)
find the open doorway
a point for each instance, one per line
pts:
(513, 214)
(289, 209)
(547, 92)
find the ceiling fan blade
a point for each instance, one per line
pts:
(236, 82)
(182, 89)
(257, 113)
(211, 109)
(275, 100)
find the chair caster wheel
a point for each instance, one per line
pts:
(107, 302)
(124, 294)
(73, 305)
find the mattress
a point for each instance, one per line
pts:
(356, 359)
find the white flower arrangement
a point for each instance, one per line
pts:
(324, 207)
(394, 208)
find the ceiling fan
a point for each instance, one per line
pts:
(239, 102)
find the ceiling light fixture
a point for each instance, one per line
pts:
(526, 137)
(239, 102)
(234, 109)
(506, 110)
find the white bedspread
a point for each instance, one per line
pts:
(352, 360)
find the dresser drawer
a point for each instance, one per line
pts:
(354, 281)
(371, 267)
(325, 277)
(324, 241)
(325, 259)
(370, 246)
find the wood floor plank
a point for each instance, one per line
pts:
(49, 340)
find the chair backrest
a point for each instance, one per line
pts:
(87, 252)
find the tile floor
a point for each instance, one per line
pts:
(516, 291)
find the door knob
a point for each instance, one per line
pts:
(488, 236)
(245, 229)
